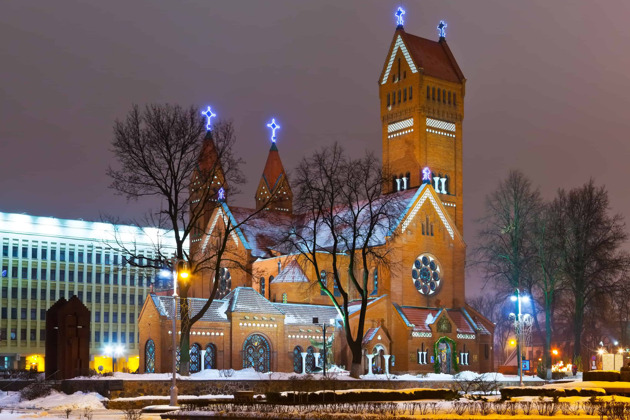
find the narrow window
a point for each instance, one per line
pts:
(410, 92)
(388, 100)
(405, 74)
(439, 92)
(433, 94)
(405, 95)
(449, 98)
(455, 99)
(393, 98)
(443, 96)
(428, 92)
(398, 95)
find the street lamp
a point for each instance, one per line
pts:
(114, 352)
(519, 331)
(324, 351)
(180, 271)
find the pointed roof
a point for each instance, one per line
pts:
(292, 273)
(246, 299)
(273, 168)
(208, 154)
(434, 58)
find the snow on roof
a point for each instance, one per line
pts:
(246, 299)
(292, 273)
(264, 232)
(296, 313)
(215, 313)
(369, 335)
(462, 324)
(355, 305)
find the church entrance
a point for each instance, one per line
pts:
(445, 355)
(378, 362)
(257, 353)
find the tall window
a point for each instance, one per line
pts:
(375, 282)
(262, 286)
(324, 278)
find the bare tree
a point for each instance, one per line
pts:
(495, 306)
(590, 241)
(344, 223)
(165, 155)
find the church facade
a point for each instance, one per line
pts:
(417, 320)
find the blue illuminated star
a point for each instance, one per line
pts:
(442, 29)
(209, 114)
(273, 127)
(399, 16)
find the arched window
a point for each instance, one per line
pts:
(428, 92)
(455, 99)
(149, 357)
(404, 95)
(449, 98)
(398, 95)
(297, 359)
(178, 359)
(195, 358)
(310, 359)
(375, 282)
(388, 100)
(210, 358)
(410, 92)
(439, 92)
(257, 353)
(225, 282)
(262, 286)
(324, 278)
(433, 94)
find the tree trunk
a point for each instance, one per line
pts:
(577, 328)
(357, 355)
(547, 356)
(184, 343)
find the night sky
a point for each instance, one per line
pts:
(548, 88)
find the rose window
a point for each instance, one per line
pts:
(426, 275)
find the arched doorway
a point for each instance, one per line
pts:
(149, 357)
(444, 354)
(257, 353)
(210, 358)
(378, 362)
(310, 359)
(195, 358)
(297, 359)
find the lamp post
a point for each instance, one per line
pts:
(519, 331)
(173, 402)
(113, 352)
(331, 323)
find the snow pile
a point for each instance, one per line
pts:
(445, 377)
(55, 401)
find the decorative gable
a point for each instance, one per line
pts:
(399, 45)
(426, 194)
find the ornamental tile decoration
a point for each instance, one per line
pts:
(399, 44)
(421, 334)
(466, 336)
(442, 125)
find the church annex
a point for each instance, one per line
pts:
(417, 319)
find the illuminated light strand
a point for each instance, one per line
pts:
(443, 125)
(400, 133)
(399, 125)
(440, 133)
(421, 334)
(399, 16)
(466, 336)
(437, 208)
(399, 44)
(273, 127)
(442, 29)
(209, 115)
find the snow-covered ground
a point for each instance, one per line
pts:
(55, 401)
(251, 374)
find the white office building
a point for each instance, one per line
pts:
(45, 259)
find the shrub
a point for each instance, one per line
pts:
(601, 375)
(363, 396)
(510, 392)
(35, 390)
(558, 375)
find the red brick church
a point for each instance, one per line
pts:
(417, 319)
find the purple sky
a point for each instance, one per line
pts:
(548, 88)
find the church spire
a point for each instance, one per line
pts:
(274, 191)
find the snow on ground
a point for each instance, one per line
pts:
(55, 401)
(445, 377)
(608, 386)
(181, 397)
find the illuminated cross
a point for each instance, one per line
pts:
(209, 114)
(273, 127)
(221, 194)
(426, 175)
(442, 29)
(399, 16)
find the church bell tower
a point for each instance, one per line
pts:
(421, 91)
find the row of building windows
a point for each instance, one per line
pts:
(399, 97)
(441, 95)
(79, 276)
(84, 295)
(4, 314)
(70, 255)
(13, 335)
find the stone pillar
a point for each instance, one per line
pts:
(316, 358)
(203, 360)
(370, 357)
(386, 357)
(304, 361)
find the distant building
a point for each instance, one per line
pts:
(44, 259)
(416, 319)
